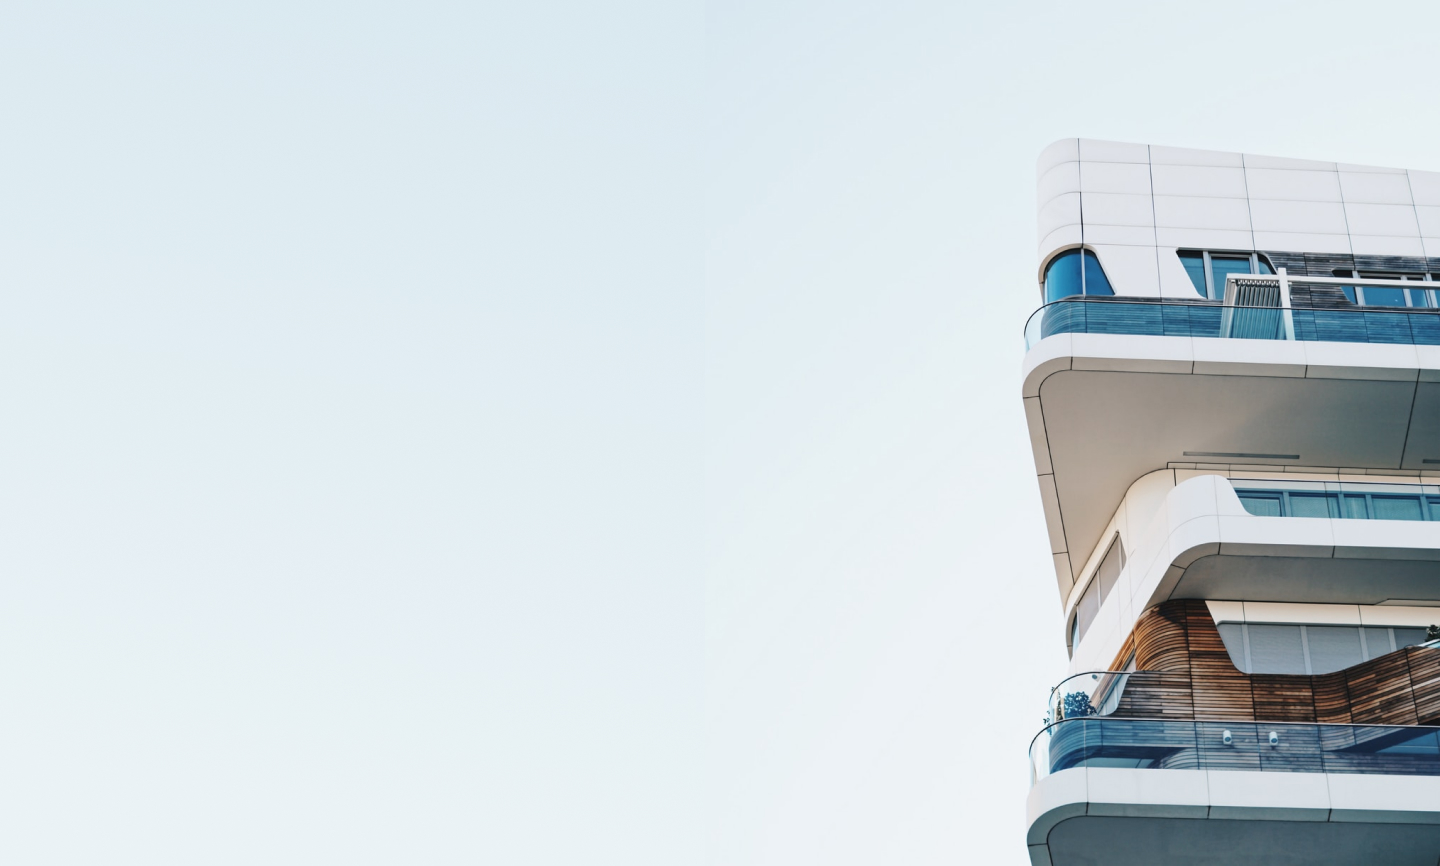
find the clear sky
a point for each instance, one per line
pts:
(562, 433)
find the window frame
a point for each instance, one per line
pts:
(1365, 654)
(1356, 294)
(1208, 256)
(1429, 503)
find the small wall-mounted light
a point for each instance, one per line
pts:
(1226, 738)
(1274, 739)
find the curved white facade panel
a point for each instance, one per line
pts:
(1136, 205)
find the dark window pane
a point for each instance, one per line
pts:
(1332, 647)
(1409, 636)
(1231, 634)
(1396, 507)
(1261, 504)
(1087, 608)
(1095, 281)
(1276, 649)
(1220, 266)
(1109, 569)
(1062, 276)
(1313, 505)
(1377, 642)
(1355, 507)
(1195, 266)
(1378, 297)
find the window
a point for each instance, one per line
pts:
(1075, 272)
(1101, 582)
(1389, 296)
(1208, 270)
(1269, 648)
(1354, 506)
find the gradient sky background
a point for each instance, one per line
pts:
(563, 433)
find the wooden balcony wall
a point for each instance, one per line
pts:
(1189, 675)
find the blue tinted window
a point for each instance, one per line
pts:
(1349, 293)
(1378, 297)
(1420, 298)
(1221, 266)
(1396, 507)
(1095, 281)
(1355, 507)
(1265, 267)
(1063, 276)
(1261, 504)
(1195, 266)
(1313, 505)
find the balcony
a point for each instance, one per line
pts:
(1115, 390)
(1257, 307)
(1167, 744)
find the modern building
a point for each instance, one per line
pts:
(1233, 395)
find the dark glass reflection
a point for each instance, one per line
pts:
(1064, 279)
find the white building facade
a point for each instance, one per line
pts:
(1232, 389)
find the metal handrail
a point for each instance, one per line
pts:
(1284, 314)
(1236, 722)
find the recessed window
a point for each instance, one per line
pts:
(1101, 582)
(1208, 270)
(1272, 648)
(1390, 296)
(1354, 506)
(1075, 272)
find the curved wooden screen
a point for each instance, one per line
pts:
(1185, 673)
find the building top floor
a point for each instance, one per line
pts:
(1172, 222)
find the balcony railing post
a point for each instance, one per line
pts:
(1287, 316)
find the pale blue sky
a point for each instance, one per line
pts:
(556, 432)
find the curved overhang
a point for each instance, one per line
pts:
(1104, 410)
(1138, 817)
(1202, 543)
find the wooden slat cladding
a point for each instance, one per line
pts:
(1185, 673)
(1220, 690)
(1425, 684)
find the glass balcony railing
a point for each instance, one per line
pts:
(1167, 318)
(1281, 748)
(1095, 693)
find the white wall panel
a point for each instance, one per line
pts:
(1205, 239)
(1174, 281)
(1198, 180)
(1143, 236)
(1256, 161)
(1309, 217)
(1425, 187)
(1380, 245)
(1160, 155)
(1063, 178)
(1432, 246)
(1115, 177)
(1429, 219)
(1064, 150)
(1131, 269)
(1202, 212)
(1098, 208)
(1063, 210)
(1397, 220)
(1064, 236)
(1375, 188)
(1291, 185)
(1366, 169)
(1092, 150)
(1308, 242)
